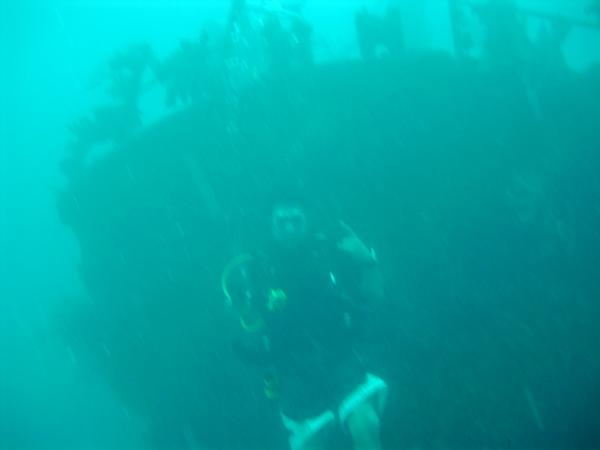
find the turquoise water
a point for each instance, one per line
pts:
(141, 143)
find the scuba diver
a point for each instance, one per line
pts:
(303, 303)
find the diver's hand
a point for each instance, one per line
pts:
(354, 247)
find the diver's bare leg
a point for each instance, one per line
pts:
(315, 443)
(364, 427)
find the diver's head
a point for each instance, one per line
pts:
(288, 224)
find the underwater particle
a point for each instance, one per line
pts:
(122, 258)
(535, 412)
(129, 172)
(180, 229)
(170, 275)
(204, 187)
(72, 356)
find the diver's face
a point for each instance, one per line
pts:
(288, 225)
